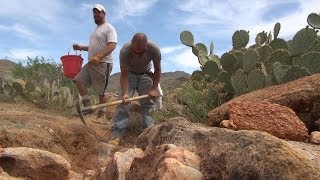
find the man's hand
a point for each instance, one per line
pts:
(153, 93)
(125, 99)
(77, 47)
(96, 59)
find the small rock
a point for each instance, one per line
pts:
(315, 137)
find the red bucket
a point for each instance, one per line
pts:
(71, 64)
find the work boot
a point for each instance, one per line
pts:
(87, 103)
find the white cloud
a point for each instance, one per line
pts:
(22, 32)
(170, 49)
(44, 12)
(133, 7)
(183, 58)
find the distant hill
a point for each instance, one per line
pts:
(169, 81)
(6, 65)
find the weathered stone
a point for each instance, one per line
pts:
(34, 164)
(302, 96)
(275, 119)
(228, 154)
(166, 161)
(120, 165)
(315, 137)
(171, 168)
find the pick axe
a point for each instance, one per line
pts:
(89, 108)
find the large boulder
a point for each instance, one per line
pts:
(166, 161)
(34, 164)
(275, 119)
(302, 96)
(228, 154)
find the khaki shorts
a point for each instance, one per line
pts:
(96, 76)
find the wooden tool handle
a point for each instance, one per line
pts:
(114, 103)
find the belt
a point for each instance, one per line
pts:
(137, 73)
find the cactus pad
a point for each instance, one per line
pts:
(186, 38)
(281, 55)
(240, 39)
(211, 68)
(303, 41)
(261, 38)
(257, 79)
(239, 82)
(224, 77)
(276, 30)
(278, 44)
(311, 61)
(211, 49)
(314, 20)
(202, 58)
(239, 56)
(196, 76)
(279, 71)
(250, 60)
(228, 62)
(295, 72)
(264, 53)
(199, 47)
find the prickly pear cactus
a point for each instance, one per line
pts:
(303, 41)
(257, 79)
(278, 44)
(311, 61)
(186, 38)
(269, 39)
(279, 71)
(240, 39)
(211, 68)
(261, 38)
(239, 82)
(276, 30)
(202, 58)
(295, 72)
(211, 49)
(229, 62)
(240, 57)
(264, 53)
(281, 55)
(224, 77)
(215, 58)
(250, 60)
(199, 47)
(314, 20)
(196, 76)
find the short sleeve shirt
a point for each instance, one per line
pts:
(139, 63)
(100, 37)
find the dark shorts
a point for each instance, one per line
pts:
(96, 76)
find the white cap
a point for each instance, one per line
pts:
(99, 7)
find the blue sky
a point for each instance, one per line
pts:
(49, 28)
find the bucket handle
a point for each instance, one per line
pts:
(75, 51)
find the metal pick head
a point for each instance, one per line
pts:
(80, 112)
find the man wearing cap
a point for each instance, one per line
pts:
(96, 72)
(136, 59)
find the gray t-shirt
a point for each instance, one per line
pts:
(100, 37)
(139, 63)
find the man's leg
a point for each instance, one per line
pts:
(82, 80)
(100, 75)
(121, 118)
(147, 105)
